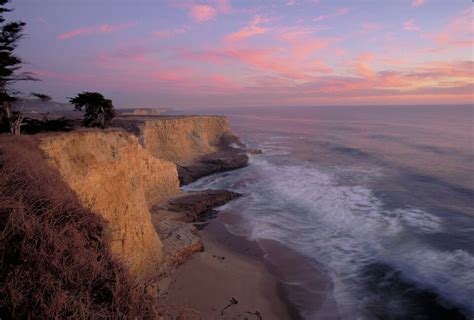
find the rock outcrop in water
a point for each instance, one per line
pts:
(196, 204)
(212, 163)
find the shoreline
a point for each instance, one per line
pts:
(232, 267)
(306, 291)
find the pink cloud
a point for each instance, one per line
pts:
(107, 28)
(104, 28)
(251, 30)
(277, 83)
(164, 33)
(443, 69)
(268, 61)
(292, 60)
(429, 82)
(393, 80)
(459, 32)
(222, 6)
(259, 59)
(301, 50)
(134, 63)
(291, 2)
(296, 66)
(417, 3)
(201, 12)
(320, 66)
(361, 65)
(339, 12)
(76, 32)
(339, 52)
(302, 42)
(168, 33)
(410, 25)
(139, 55)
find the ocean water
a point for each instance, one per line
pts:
(379, 199)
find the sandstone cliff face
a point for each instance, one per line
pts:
(183, 140)
(118, 179)
(120, 175)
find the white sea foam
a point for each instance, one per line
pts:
(420, 220)
(449, 273)
(347, 229)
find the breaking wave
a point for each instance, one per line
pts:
(349, 232)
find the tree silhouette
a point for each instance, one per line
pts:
(10, 34)
(41, 96)
(98, 110)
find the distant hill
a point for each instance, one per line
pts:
(143, 111)
(36, 108)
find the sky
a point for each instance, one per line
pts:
(239, 53)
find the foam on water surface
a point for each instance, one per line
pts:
(346, 229)
(382, 260)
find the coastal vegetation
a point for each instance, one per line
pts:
(98, 110)
(79, 237)
(41, 96)
(10, 64)
(55, 260)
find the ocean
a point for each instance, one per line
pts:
(379, 199)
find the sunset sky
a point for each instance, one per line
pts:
(222, 53)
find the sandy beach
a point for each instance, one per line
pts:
(231, 279)
(228, 280)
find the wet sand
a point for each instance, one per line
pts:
(232, 279)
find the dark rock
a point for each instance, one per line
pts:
(254, 151)
(198, 205)
(228, 140)
(213, 163)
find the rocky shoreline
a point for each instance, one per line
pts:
(198, 250)
(227, 279)
(209, 164)
(129, 178)
(178, 219)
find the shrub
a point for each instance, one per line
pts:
(98, 110)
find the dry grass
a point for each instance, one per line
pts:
(54, 261)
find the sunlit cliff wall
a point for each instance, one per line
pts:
(118, 179)
(184, 139)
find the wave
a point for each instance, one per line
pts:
(349, 231)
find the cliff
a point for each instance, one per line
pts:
(92, 211)
(183, 140)
(142, 111)
(120, 176)
(55, 258)
(118, 179)
(199, 145)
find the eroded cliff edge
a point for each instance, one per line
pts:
(198, 145)
(121, 174)
(116, 178)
